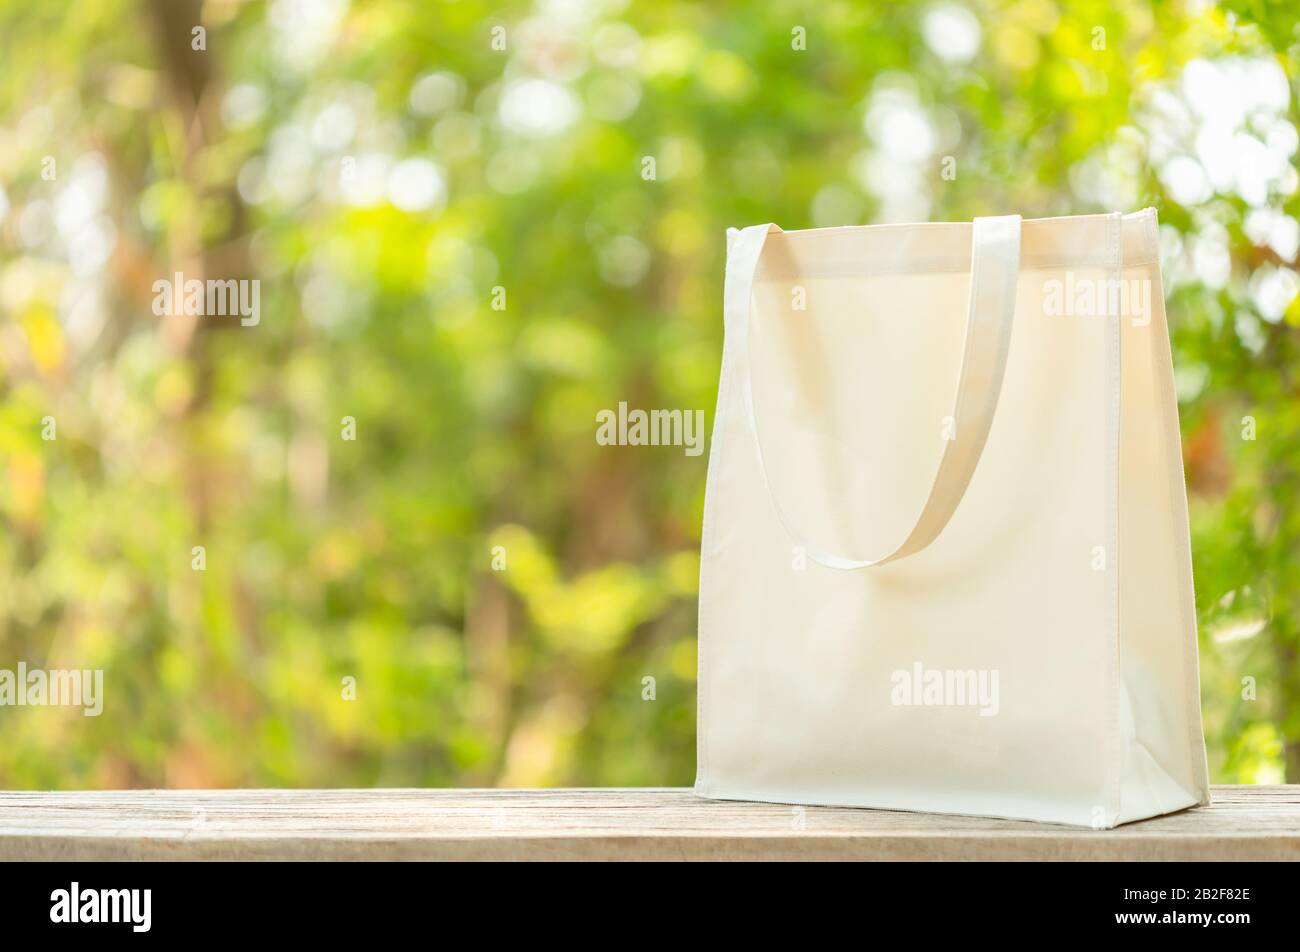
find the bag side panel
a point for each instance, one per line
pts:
(1164, 766)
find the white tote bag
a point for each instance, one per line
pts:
(945, 561)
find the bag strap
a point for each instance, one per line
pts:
(995, 266)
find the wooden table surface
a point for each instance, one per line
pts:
(1243, 823)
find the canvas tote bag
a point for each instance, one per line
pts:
(945, 561)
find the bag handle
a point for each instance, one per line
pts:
(995, 266)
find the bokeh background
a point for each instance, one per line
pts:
(381, 167)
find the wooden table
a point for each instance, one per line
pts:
(1243, 823)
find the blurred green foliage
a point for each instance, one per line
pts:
(392, 170)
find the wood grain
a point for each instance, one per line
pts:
(1243, 823)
